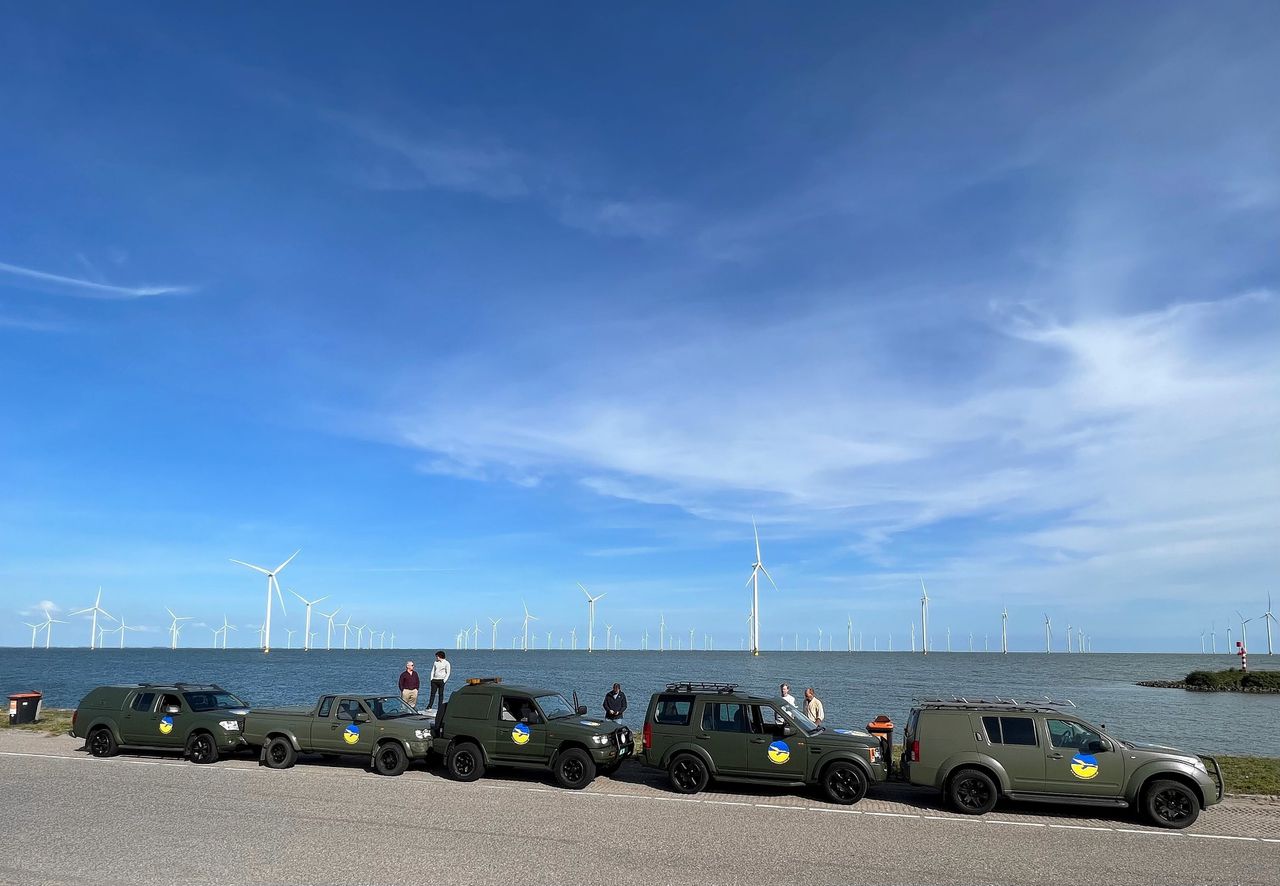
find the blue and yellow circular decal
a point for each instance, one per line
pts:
(779, 752)
(351, 734)
(166, 725)
(520, 734)
(1084, 766)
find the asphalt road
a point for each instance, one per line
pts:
(73, 819)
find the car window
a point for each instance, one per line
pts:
(1018, 730)
(143, 701)
(326, 705)
(213, 701)
(169, 700)
(722, 716)
(348, 708)
(673, 710)
(765, 719)
(518, 708)
(992, 725)
(1069, 734)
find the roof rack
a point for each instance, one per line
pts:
(213, 686)
(476, 681)
(702, 687)
(1044, 703)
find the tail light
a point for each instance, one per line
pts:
(648, 735)
(915, 752)
(74, 714)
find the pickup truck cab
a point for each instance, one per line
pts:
(201, 721)
(381, 728)
(489, 723)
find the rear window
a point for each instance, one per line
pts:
(469, 706)
(212, 700)
(673, 710)
(143, 701)
(1010, 730)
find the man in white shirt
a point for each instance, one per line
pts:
(784, 692)
(440, 669)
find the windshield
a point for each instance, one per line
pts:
(212, 701)
(555, 707)
(390, 707)
(797, 716)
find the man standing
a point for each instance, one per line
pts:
(784, 693)
(615, 703)
(439, 676)
(813, 706)
(409, 684)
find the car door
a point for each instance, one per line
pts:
(136, 721)
(725, 733)
(771, 754)
(520, 731)
(1079, 760)
(348, 731)
(166, 724)
(1017, 744)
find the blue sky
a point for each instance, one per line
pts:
(471, 305)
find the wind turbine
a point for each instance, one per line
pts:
(96, 609)
(1213, 637)
(49, 622)
(1244, 631)
(306, 627)
(346, 629)
(1004, 630)
(1267, 619)
(124, 627)
(226, 626)
(690, 639)
(591, 618)
(754, 583)
(662, 632)
(849, 634)
(948, 638)
(328, 637)
(34, 630)
(271, 580)
(360, 635)
(1048, 633)
(528, 618)
(1228, 636)
(493, 633)
(924, 617)
(289, 632)
(573, 637)
(819, 639)
(174, 627)
(608, 637)
(1068, 636)
(1202, 633)
(913, 636)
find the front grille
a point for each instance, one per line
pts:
(623, 736)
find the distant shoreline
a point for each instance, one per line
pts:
(1183, 684)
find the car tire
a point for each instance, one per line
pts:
(574, 769)
(201, 748)
(972, 792)
(464, 762)
(279, 753)
(101, 743)
(1170, 804)
(688, 774)
(844, 783)
(390, 759)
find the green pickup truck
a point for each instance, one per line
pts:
(381, 728)
(201, 721)
(489, 723)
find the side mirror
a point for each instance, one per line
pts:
(788, 731)
(362, 717)
(1098, 746)
(172, 709)
(582, 710)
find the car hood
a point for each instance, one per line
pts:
(850, 735)
(1160, 749)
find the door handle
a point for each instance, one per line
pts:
(757, 741)
(702, 737)
(1055, 756)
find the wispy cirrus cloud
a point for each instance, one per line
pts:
(78, 287)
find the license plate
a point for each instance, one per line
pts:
(625, 750)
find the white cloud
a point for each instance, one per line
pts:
(81, 288)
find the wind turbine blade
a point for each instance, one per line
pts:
(279, 595)
(299, 596)
(251, 566)
(81, 611)
(756, 533)
(770, 577)
(107, 614)
(320, 599)
(287, 562)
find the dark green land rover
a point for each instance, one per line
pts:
(491, 723)
(201, 721)
(703, 731)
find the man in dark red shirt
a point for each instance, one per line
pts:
(409, 683)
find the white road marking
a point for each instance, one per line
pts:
(774, 806)
(1020, 824)
(1078, 827)
(893, 814)
(1147, 833)
(725, 803)
(1224, 837)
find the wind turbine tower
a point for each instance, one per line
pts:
(306, 628)
(174, 626)
(1004, 631)
(328, 636)
(1267, 619)
(754, 583)
(924, 616)
(272, 581)
(591, 618)
(96, 609)
(1048, 633)
(527, 618)
(493, 633)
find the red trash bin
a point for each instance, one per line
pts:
(24, 707)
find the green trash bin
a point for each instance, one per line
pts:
(24, 707)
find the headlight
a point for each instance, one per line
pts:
(420, 734)
(600, 739)
(230, 725)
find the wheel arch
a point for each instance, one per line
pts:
(110, 726)
(468, 739)
(1141, 785)
(827, 760)
(989, 765)
(689, 748)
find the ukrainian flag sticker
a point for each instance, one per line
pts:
(1084, 766)
(779, 752)
(520, 734)
(351, 734)
(166, 725)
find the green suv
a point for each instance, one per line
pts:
(489, 723)
(977, 751)
(701, 731)
(201, 721)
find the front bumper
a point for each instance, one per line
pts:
(419, 749)
(1215, 787)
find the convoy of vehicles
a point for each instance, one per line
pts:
(978, 751)
(975, 752)
(697, 732)
(488, 723)
(382, 729)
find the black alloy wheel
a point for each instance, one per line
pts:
(575, 769)
(202, 749)
(844, 783)
(688, 774)
(1171, 804)
(973, 792)
(102, 743)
